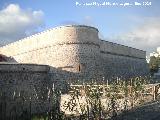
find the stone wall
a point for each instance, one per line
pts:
(121, 50)
(56, 57)
(77, 49)
(122, 61)
(62, 47)
(23, 87)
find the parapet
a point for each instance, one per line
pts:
(77, 26)
(67, 35)
(63, 35)
(15, 67)
(121, 50)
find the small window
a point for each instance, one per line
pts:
(81, 67)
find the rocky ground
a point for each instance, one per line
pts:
(150, 111)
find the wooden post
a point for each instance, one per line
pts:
(153, 92)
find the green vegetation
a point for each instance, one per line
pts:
(101, 101)
(128, 90)
(154, 63)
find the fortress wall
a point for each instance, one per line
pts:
(19, 83)
(88, 52)
(118, 49)
(77, 49)
(55, 36)
(72, 53)
(58, 56)
(117, 65)
(66, 48)
(119, 60)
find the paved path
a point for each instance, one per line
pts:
(150, 111)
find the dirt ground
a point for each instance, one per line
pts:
(150, 111)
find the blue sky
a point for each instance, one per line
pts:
(115, 23)
(108, 19)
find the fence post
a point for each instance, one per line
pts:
(30, 112)
(153, 92)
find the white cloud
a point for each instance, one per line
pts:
(88, 20)
(17, 23)
(146, 36)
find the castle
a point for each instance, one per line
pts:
(77, 49)
(72, 52)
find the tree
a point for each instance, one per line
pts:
(154, 63)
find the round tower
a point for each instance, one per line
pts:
(76, 48)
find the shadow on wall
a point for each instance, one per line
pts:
(30, 87)
(4, 58)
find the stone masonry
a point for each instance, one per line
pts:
(32, 67)
(77, 49)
